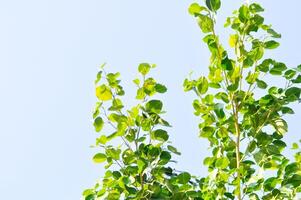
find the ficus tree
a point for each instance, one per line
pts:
(241, 112)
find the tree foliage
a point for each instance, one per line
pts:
(241, 113)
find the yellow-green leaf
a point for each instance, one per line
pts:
(103, 93)
(99, 158)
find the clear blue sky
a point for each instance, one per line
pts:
(49, 53)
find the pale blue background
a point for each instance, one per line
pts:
(49, 53)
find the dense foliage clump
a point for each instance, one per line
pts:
(245, 126)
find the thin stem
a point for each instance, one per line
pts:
(237, 149)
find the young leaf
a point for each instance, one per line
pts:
(98, 124)
(160, 135)
(184, 178)
(103, 93)
(154, 106)
(99, 158)
(213, 5)
(144, 68)
(271, 44)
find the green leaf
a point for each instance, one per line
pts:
(291, 168)
(96, 109)
(188, 85)
(271, 44)
(103, 93)
(270, 184)
(102, 140)
(99, 158)
(222, 163)
(160, 135)
(164, 158)
(219, 110)
(173, 150)
(278, 68)
(90, 197)
(244, 14)
(154, 106)
(205, 23)
(202, 85)
(280, 126)
(287, 110)
(289, 74)
(227, 64)
(160, 88)
(233, 87)
(295, 146)
(293, 93)
(195, 8)
(297, 80)
(298, 68)
(233, 40)
(213, 5)
(98, 77)
(265, 65)
(98, 124)
(261, 84)
(183, 178)
(141, 165)
(140, 94)
(274, 33)
(144, 68)
(294, 181)
(255, 7)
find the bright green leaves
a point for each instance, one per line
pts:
(203, 18)
(195, 9)
(289, 74)
(270, 184)
(265, 65)
(144, 68)
(261, 84)
(160, 88)
(294, 181)
(278, 68)
(149, 86)
(154, 106)
(273, 33)
(280, 126)
(141, 151)
(183, 178)
(213, 5)
(164, 158)
(188, 85)
(141, 165)
(293, 94)
(233, 40)
(244, 13)
(271, 44)
(222, 163)
(103, 93)
(116, 105)
(98, 124)
(160, 135)
(245, 131)
(252, 77)
(219, 110)
(227, 64)
(254, 7)
(113, 153)
(205, 23)
(99, 158)
(202, 85)
(173, 150)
